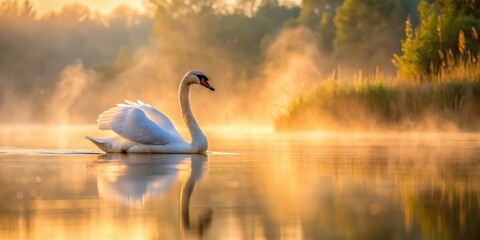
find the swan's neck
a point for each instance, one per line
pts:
(199, 140)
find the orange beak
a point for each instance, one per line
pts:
(205, 83)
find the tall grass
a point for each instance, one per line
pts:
(449, 100)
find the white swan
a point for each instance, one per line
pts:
(143, 129)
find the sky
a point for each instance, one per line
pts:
(103, 6)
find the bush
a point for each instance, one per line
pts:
(447, 35)
(442, 102)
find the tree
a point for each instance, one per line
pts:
(318, 15)
(9, 8)
(448, 32)
(197, 34)
(27, 10)
(368, 30)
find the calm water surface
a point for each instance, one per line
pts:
(56, 185)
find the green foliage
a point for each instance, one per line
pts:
(441, 103)
(318, 15)
(361, 34)
(198, 35)
(447, 35)
(107, 72)
(124, 58)
(368, 29)
(379, 98)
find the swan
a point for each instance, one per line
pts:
(140, 128)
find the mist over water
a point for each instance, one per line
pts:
(93, 76)
(79, 95)
(274, 185)
(68, 67)
(74, 80)
(61, 70)
(39, 53)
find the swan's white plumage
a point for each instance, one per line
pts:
(155, 115)
(131, 122)
(143, 129)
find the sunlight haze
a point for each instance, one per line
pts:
(239, 119)
(102, 6)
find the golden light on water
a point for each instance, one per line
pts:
(284, 185)
(357, 177)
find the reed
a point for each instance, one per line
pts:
(447, 100)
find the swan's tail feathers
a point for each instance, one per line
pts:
(103, 145)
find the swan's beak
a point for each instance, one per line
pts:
(205, 83)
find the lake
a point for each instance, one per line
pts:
(250, 185)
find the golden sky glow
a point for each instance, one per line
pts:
(103, 6)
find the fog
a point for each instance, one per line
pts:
(70, 85)
(38, 51)
(68, 67)
(289, 69)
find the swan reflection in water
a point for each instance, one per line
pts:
(131, 179)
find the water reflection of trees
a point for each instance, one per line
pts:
(373, 193)
(447, 216)
(287, 191)
(450, 208)
(35, 188)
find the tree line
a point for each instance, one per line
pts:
(34, 49)
(232, 40)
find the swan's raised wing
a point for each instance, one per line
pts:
(156, 116)
(133, 124)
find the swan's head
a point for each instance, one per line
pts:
(197, 77)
